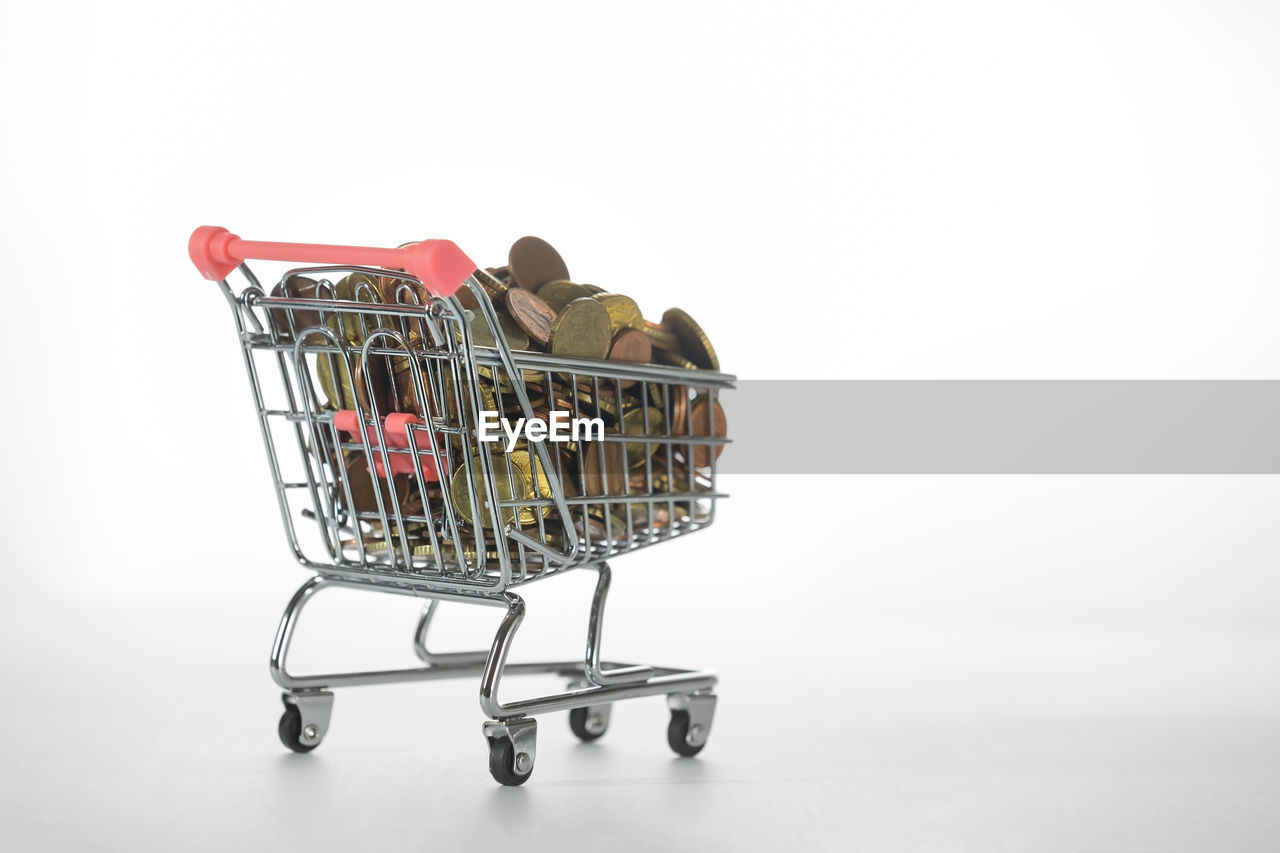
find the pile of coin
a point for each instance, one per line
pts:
(551, 313)
(539, 309)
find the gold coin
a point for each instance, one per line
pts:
(633, 423)
(560, 292)
(675, 359)
(581, 330)
(533, 262)
(359, 287)
(524, 462)
(482, 334)
(493, 285)
(617, 520)
(694, 343)
(624, 313)
(339, 393)
(664, 338)
(449, 552)
(509, 484)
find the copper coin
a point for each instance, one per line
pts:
(604, 468)
(631, 345)
(589, 529)
(679, 401)
(531, 314)
(361, 482)
(372, 372)
(706, 418)
(534, 262)
(679, 404)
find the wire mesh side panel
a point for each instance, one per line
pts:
(367, 404)
(369, 393)
(644, 472)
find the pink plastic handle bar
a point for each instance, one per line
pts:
(439, 264)
(396, 428)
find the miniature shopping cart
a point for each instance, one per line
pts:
(368, 388)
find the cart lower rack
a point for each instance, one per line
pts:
(370, 376)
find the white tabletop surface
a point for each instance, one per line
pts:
(968, 664)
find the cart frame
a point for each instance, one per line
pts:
(516, 556)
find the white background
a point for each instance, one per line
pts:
(851, 190)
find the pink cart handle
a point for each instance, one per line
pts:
(439, 264)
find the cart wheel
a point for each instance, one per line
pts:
(589, 723)
(502, 763)
(290, 730)
(678, 735)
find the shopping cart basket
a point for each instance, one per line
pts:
(379, 495)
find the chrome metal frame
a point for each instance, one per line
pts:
(599, 682)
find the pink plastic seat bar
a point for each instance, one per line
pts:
(396, 428)
(439, 264)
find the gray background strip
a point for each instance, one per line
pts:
(1003, 427)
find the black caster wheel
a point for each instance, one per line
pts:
(502, 763)
(678, 733)
(588, 723)
(290, 730)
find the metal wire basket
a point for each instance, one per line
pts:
(370, 393)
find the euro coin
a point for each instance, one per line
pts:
(531, 314)
(492, 285)
(364, 494)
(706, 419)
(645, 420)
(674, 359)
(671, 399)
(294, 287)
(372, 373)
(560, 292)
(694, 344)
(533, 262)
(482, 334)
(604, 468)
(581, 330)
(510, 484)
(335, 380)
(525, 463)
(661, 336)
(631, 345)
(624, 313)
